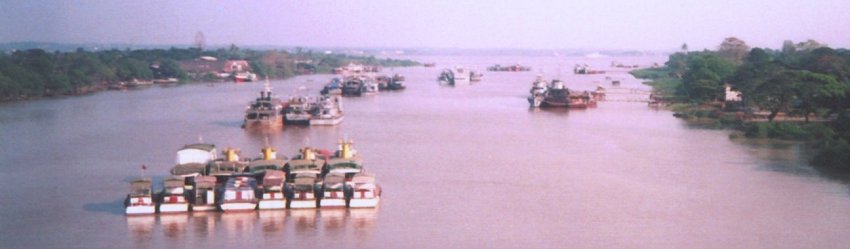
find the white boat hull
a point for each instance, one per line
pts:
(204, 208)
(273, 204)
(173, 208)
(326, 121)
(364, 203)
(295, 204)
(138, 210)
(238, 206)
(332, 203)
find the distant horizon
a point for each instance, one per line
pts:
(651, 25)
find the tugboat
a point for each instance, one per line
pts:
(585, 69)
(140, 199)
(328, 111)
(265, 111)
(273, 195)
(301, 193)
(334, 191)
(239, 194)
(538, 91)
(172, 198)
(353, 86)
(396, 83)
(556, 95)
(202, 194)
(298, 111)
(366, 193)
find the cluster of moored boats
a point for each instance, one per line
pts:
(202, 182)
(363, 84)
(556, 94)
(459, 75)
(270, 111)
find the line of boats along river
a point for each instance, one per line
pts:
(314, 178)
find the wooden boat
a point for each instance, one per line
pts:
(328, 111)
(172, 198)
(140, 199)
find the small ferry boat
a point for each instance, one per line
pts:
(172, 198)
(370, 87)
(302, 191)
(353, 86)
(202, 194)
(510, 68)
(272, 192)
(244, 77)
(298, 110)
(328, 111)
(557, 95)
(396, 83)
(264, 111)
(429, 64)
(446, 77)
(334, 191)
(538, 91)
(366, 193)
(585, 69)
(239, 194)
(140, 199)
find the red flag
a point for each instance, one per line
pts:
(144, 167)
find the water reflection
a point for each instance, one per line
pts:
(204, 223)
(272, 221)
(141, 229)
(174, 225)
(305, 220)
(238, 223)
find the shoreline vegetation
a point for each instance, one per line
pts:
(799, 93)
(36, 73)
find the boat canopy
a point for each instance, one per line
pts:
(189, 169)
(173, 182)
(306, 165)
(225, 167)
(274, 178)
(334, 180)
(205, 182)
(140, 186)
(344, 165)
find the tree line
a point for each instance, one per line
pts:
(805, 79)
(36, 72)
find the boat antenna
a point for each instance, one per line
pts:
(200, 139)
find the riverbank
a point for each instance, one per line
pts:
(36, 73)
(823, 135)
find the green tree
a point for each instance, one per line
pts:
(705, 77)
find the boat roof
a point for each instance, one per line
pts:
(274, 174)
(205, 181)
(303, 178)
(188, 169)
(342, 162)
(304, 162)
(140, 185)
(362, 178)
(274, 162)
(199, 146)
(173, 182)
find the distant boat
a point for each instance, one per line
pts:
(172, 198)
(264, 111)
(239, 194)
(140, 200)
(328, 111)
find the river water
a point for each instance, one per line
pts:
(461, 167)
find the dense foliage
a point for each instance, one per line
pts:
(806, 79)
(35, 72)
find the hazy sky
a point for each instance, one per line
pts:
(589, 24)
